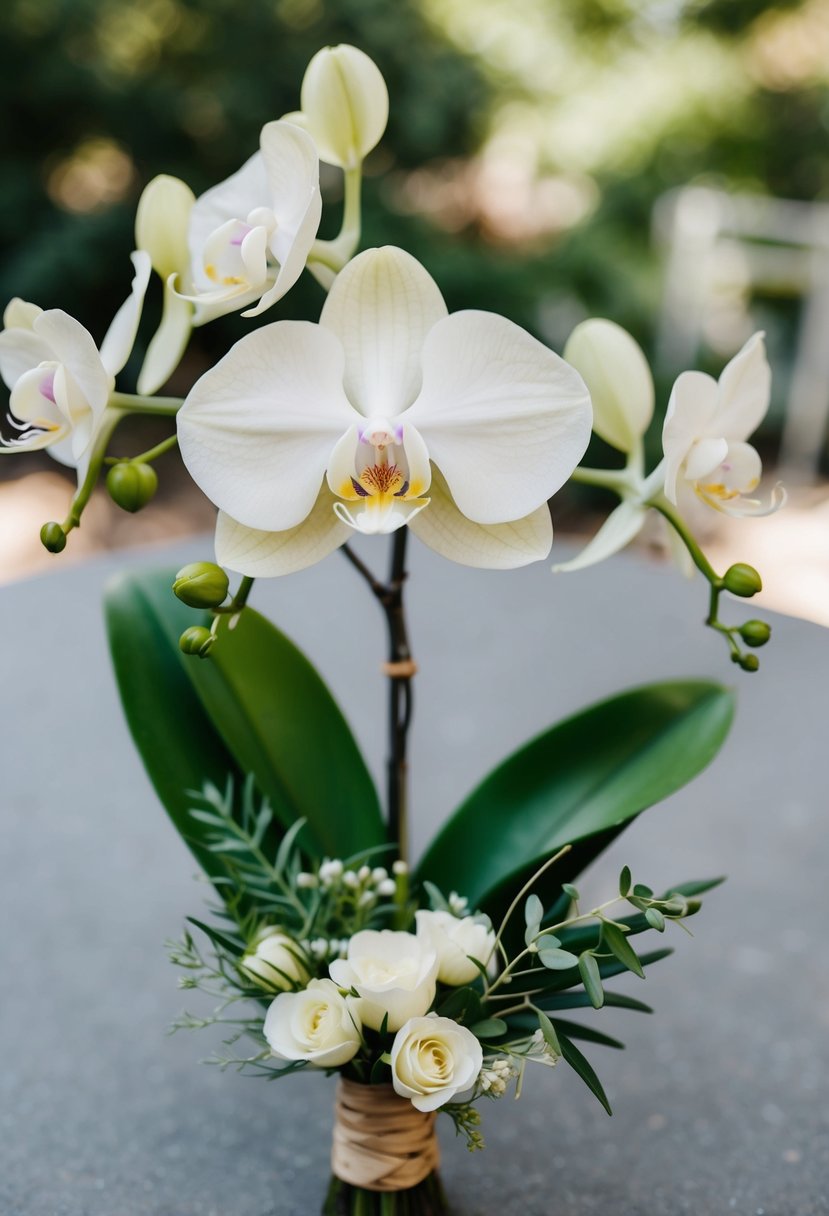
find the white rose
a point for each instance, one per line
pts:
(433, 1059)
(318, 1025)
(394, 974)
(275, 962)
(454, 941)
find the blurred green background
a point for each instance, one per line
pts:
(527, 145)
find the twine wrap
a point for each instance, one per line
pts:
(381, 1142)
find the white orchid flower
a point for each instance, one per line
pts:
(249, 237)
(60, 382)
(345, 104)
(706, 427)
(389, 412)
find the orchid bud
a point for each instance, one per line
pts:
(196, 640)
(131, 484)
(201, 585)
(53, 537)
(755, 633)
(743, 580)
(161, 224)
(749, 662)
(346, 104)
(618, 378)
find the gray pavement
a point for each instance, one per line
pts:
(721, 1098)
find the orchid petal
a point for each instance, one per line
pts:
(345, 102)
(745, 390)
(486, 546)
(618, 530)
(21, 351)
(505, 419)
(704, 457)
(257, 430)
(20, 314)
(374, 518)
(259, 554)
(741, 468)
(292, 170)
(167, 344)
(381, 307)
(740, 507)
(232, 199)
(692, 405)
(73, 346)
(295, 256)
(120, 337)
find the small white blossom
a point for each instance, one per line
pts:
(306, 881)
(458, 904)
(350, 879)
(330, 872)
(364, 873)
(400, 867)
(378, 874)
(387, 887)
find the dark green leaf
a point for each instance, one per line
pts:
(272, 711)
(615, 941)
(463, 1005)
(584, 1069)
(694, 888)
(591, 978)
(231, 947)
(580, 1000)
(624, 882)
(581, 781)
(575, 1030)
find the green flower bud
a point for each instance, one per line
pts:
(53, 537)
(742, 580)
(131, 485)
(749, 662)
(196, 640)
(755, 633)
(201, 585)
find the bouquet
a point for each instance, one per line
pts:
(428, 986)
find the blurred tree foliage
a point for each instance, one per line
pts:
(567, 117)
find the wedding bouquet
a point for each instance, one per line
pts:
(428, 986)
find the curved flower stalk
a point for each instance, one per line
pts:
(60, 381)
(389, 412)
(706, 427)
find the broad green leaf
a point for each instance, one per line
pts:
(462, 1005)
(580, 1000)
(584, 1069)
(274, 715)
(615, 941)
(489, 1028)
(581, 782)
(177, 742)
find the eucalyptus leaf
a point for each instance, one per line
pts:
(555, 959)
(489, 1028)
(533, 911)
(615, 941)
(591, 978)
(549, 1032)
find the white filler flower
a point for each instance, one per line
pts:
(389, 412)
(706, 426)
(433, 1059)
(318, 1025)
(457, 942)
(60, 382)
(393, 973)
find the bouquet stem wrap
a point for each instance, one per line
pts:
(381, 1142)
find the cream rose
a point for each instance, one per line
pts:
(275, 962)
(393, 973)
(433, 1059)
(454, 940)
(318, 1025)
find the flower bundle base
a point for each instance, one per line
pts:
(384, 1155)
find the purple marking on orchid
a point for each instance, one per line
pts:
(46, 388)
(403, 491)
(398, 433)
(358, 489)
(237, 240)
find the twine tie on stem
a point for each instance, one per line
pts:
(381, 1142)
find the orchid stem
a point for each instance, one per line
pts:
(148, 456)
(79, 502)
(400, 672)
(136, 404)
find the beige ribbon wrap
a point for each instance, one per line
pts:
(381, 1142)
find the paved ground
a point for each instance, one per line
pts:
(720, 1098)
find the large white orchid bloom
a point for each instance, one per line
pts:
(388, 412)
(60, 382)
(249, 237)
(706, 426)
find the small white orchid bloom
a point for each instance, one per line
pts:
(249, 237)
(345, 104)
(706, 427)
(615, 370)
(162, 224)
(389, 412)
(60, 382)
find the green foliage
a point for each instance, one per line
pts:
(581, 782)
(255, 706)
